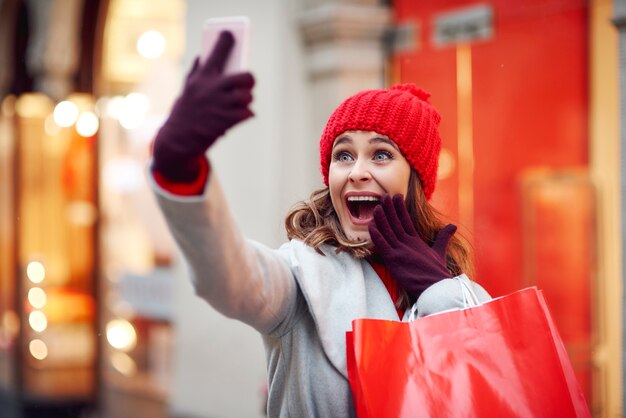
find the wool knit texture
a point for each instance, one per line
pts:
(401, 112)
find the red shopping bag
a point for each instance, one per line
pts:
(503, 358)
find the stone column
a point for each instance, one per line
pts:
(54, 49)
(343, 50)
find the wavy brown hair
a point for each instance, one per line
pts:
(315, 222)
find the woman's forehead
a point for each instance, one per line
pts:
(372, 137)
(359, 134)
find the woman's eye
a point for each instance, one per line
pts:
(382, 156)
(342, 156)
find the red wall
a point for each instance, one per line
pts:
(529, 107)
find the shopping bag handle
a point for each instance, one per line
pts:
(468, 296)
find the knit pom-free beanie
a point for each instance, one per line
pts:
(401, 112)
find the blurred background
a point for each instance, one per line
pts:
(97, 318)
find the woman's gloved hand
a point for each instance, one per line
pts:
(210, 103)
(412, 262)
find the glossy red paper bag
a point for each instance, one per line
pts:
(500, 359)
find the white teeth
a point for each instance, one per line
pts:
(362, 199)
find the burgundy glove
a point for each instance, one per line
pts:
(209, 104)
(412, 262)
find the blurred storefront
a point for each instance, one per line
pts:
(530, 161)
(49, 210)
(94, 315)
(86, 289)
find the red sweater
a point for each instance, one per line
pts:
(390, 283)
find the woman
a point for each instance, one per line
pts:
(354, 251)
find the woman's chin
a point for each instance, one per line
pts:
(361, 237)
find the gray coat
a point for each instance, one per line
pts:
(301, 302)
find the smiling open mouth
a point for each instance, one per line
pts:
(362, 207)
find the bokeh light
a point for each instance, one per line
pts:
(37, 321)
(123, 175)
(151, 44)
(115, 107)
(35, 272)
(10, 323)
(134, 110)
(65, 113)
(87, 124)
(121, 334)
(123, 363)
(37, 297)
(38, 349)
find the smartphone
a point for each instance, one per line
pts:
(239, 26)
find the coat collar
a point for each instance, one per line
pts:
(338, 288)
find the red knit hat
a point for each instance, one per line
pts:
(402, 113)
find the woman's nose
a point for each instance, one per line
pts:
(360, 172)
